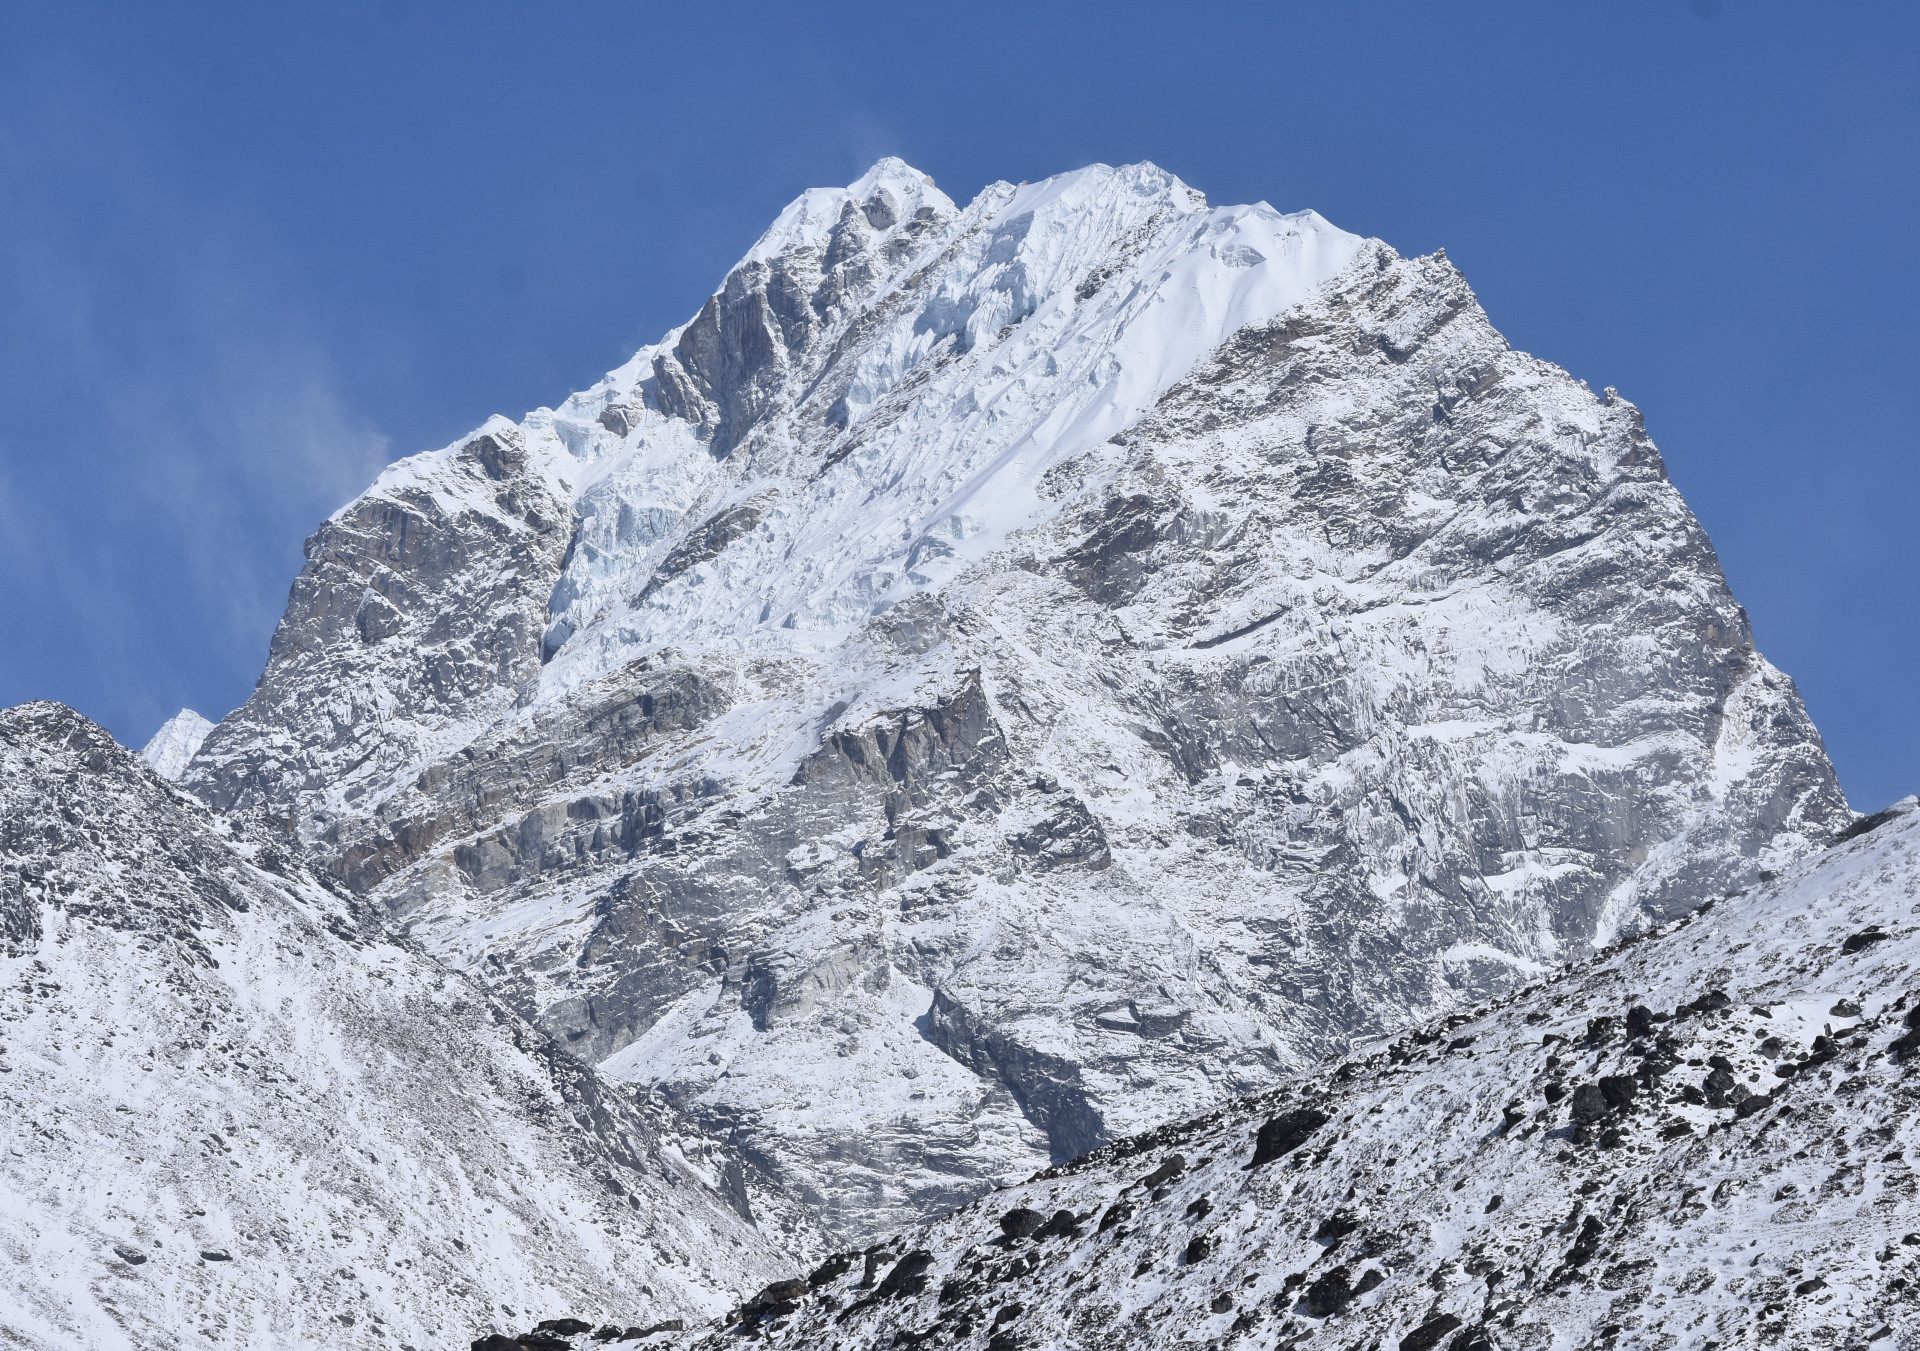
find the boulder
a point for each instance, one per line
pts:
(1328, 1295)
(1022, 1222)
(1589, 1104)
(1285, 1133)
(1429, 1334)
(908, 1277)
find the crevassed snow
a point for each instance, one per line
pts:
(1030, 355)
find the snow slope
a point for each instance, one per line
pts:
(235, 1113)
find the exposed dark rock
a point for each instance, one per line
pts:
(1021, 1223)
(1283, 1134)
(908, 1276)
(1328, 1295)
(1429, 1334)
(1170, 1168)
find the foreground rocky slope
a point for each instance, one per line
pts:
(1001, 677)
(233, 1112)
(1707, 1138)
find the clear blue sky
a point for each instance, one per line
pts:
(249, 252)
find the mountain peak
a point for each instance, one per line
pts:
(176, 743)
(997, 678)
(886, 196)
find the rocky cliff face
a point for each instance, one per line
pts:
(1706, 1138)
(236, 1112)
(1001, 677)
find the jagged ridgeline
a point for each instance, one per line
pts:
(1002, 677)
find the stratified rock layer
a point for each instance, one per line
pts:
(1003, 677)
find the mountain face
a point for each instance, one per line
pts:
(175, 744)
(237, 1113)
(1003, 677)
(1705, 1139)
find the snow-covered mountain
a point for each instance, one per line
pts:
(236, 1112)
(999, 678)
(1706, 1138)
(176, 743)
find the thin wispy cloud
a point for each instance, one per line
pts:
(168, 395)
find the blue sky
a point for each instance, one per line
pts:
(250, 252)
